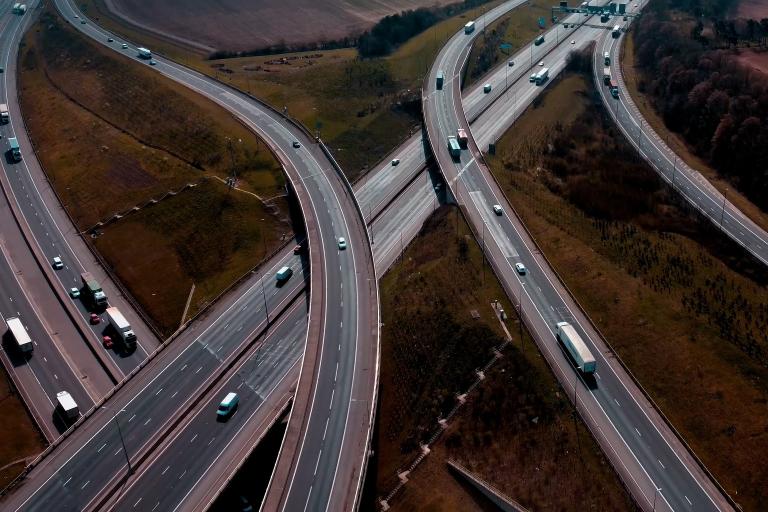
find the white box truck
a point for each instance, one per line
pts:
(542, 76)
(576, 347)
(606, 75)
(67, 405)
(4, 115)
(123, 328)
(20, 335)
(469, 27)
(144, 53)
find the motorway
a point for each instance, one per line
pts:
(51, 231)
(650, 459)
(694, 187)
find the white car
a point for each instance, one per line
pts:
(74, 293)
(497, 209)
(541, 63)
(395, 161)
(511, 63)
(573, 41)
(342, 243)
(125, 46)
(521, 269)
(57, 263)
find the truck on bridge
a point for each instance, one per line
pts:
(576, 347)
(20, 335)
(93, 289)
(453, 147)
(122, 327)
(4, 115)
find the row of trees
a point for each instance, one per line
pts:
(394, 30)
(718, 105)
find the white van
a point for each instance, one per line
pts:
(284, 274)
(227, 406)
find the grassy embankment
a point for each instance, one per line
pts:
(365, 107)
(681, 305)
(517, 429)
(112, 134)
(19, 435)
(517, 29)
(676, 142)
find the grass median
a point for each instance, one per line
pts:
(114, 138)
(682, 305)
(516, 430)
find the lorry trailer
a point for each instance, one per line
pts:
(15, 149)
(67, 405)
(144, 53)
(453, 147)
(20, 335)
(616, 32)
(469, 27)
(123, 328)
(607, 58)
(93, 289)
(542, 76)
(440, 78)
(576, 347)
(4, 115)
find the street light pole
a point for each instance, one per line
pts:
(722, 212)
(264, 294)
(122, 441)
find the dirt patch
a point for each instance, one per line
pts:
(248, 24)
(436, 313)
(754, 9)
(754, 59)
(661, 283)
(19, 437)
(112, 135)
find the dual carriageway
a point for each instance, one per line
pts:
(284, 342)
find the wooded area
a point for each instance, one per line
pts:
(703, 92)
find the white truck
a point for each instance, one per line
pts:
(20, 335)
(4, 115)
(67, 405)
(144, 53)
(123, 328)
(606, 75)
(616, 32)
(576, 347)
(542, 76)
(469, 27)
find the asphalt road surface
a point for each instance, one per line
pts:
(652, 462)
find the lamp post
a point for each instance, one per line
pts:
(120, 433)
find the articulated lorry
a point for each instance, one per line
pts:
(20, 335)
(576, 347)
(15, 149)
(4, 115)
(93, 289)
(440, 78)
(67, 406)
(454, 148)
(144, 53)
(123, 328)
(469, 27)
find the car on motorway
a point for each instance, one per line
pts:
(125, 46)
(83, 22)
(227, 406)
(487, 88)
(395, 161)
(57, 263)
(541, 63)
(520, 268)
(107, 341)
(296, 144)
(95, 319)
(283, 274)
(497, 209)
(297, 249)
(2, 69)
(342, 243)
(573, 41)
(532, 78)
(110, 40)
(511, 63)
(74, 293)
(153, 62)
(77, 16)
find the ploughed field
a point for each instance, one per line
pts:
(249, 24)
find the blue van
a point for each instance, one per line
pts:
(227, 406)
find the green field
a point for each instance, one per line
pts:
(681, 305)
(111, 135)
(437, 314)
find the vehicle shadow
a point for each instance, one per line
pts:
(16, 356)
